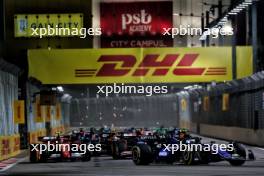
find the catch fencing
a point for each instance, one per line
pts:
(238, 103)
(134, 111)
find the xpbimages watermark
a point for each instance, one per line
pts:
(57, 147)
(131, 89)
(194, 31)
(214, 148)
(58, 31)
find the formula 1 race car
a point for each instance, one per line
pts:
(106, 142)
(160, 149)
(122, 144)
(59, 148)
(116, 142)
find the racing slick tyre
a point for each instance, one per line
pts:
(43, 157)
(204, 157)
(34, 157)
(241, 151)
(142, 154)
(170, 161)
(73, 159)
(115, 151)
(188, 157)
(86, 157)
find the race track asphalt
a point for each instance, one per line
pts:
(106, 166)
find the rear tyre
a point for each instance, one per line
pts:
(170, 161)
(33, 158)
(86, 157)
(43, 157)
(142, 154)
(34, 155)
(73, 159)
(115, 151)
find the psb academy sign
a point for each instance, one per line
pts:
(135, 17)
(24, 23)
(135, 24)
(148, 65)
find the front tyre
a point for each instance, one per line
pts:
(240, 151)
(188, 158)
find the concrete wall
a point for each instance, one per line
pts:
(189, 125)
(248, 136)
(244, 135)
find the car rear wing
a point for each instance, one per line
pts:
(46, 138)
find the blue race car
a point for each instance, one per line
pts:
(159, 148)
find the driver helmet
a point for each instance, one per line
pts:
(183, 133)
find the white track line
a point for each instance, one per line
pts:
(260, 148)
(12, 165)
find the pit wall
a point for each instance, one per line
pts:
(9, 137)
(9, 146)
(8, 94)
(9, 133)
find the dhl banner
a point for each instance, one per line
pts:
(19, 112)
(244, 61)
(39, 115)
(137, 65)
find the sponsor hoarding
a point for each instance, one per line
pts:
(134, 65)
(19, 111)
(58, 111)
(136, 42)
(24, 23)
(48, 113)
(38, 111)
